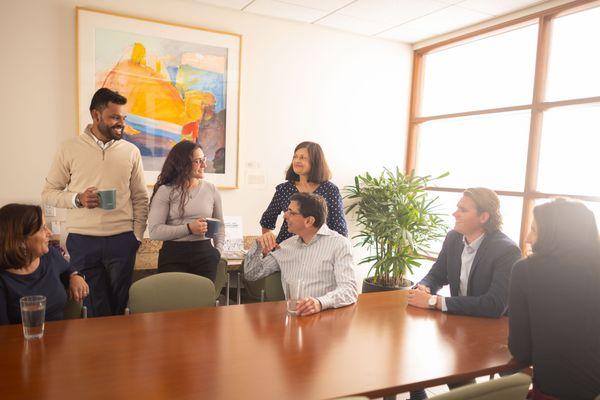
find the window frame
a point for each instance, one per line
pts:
(537, 107)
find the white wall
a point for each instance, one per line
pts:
(298, 82)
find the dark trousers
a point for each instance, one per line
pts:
(197, 257)
(107, 263)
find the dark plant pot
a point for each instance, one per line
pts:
(370, 287)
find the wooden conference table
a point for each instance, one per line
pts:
(376, 347)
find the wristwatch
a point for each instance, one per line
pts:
(78, 202)
(432, 302)
(77, 273)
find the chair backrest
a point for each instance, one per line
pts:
(273, 288)
(513, 387)
(221, 278)
(171, 291)
(254, 289)
(74, 310)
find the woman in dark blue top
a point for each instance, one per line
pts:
(29, 267)
(308, 173)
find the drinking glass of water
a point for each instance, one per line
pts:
(33, 314)
(294, 292)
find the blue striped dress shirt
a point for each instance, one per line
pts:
(324, 265)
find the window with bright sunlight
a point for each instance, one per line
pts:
(477, 101)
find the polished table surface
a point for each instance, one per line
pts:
(378, 346)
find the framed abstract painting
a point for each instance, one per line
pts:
(181, 83)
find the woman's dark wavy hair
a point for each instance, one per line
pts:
(319, 170)
(176, 171)
(17, 223)
(566, 228)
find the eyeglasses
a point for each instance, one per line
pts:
(300, 158)
(292, 212)
(199, 161)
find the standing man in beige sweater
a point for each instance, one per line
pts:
(102, 243)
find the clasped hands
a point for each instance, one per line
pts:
(419, 297)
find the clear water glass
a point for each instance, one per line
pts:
(294, 292)
(33, 315)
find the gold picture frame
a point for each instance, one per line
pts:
(182, 83)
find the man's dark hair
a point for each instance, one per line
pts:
(311, 205)
(104, 96)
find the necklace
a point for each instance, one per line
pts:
(307, 187)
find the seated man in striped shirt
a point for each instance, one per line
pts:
(316, 255)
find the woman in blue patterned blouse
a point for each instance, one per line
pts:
(307, 173)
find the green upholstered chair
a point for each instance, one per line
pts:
(255, 290)
(221, 278)
(513, 387)
(170, 291)
(273, 288)
(74, 310)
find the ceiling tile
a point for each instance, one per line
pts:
(495, 7)
(235, 4)
(437, 23)
(278, 9)
(353, 25)
(391, 11)
(323, 5)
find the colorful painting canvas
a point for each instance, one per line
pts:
(178, 86)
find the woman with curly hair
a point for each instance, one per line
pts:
(180, 203)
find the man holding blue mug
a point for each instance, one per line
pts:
(103, 238)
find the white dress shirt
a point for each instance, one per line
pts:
(324, 265)
(466, 258)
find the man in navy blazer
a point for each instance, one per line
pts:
(476, 260)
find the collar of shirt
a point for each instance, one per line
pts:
(99, 142)
(474, 245)
(323, 231)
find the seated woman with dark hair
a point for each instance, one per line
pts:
(29, 267)
(554, 303)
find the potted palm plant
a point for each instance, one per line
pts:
(398, 220)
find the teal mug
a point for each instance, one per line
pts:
(213, 227)
(108, 199)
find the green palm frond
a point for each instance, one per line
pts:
(398, 219)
